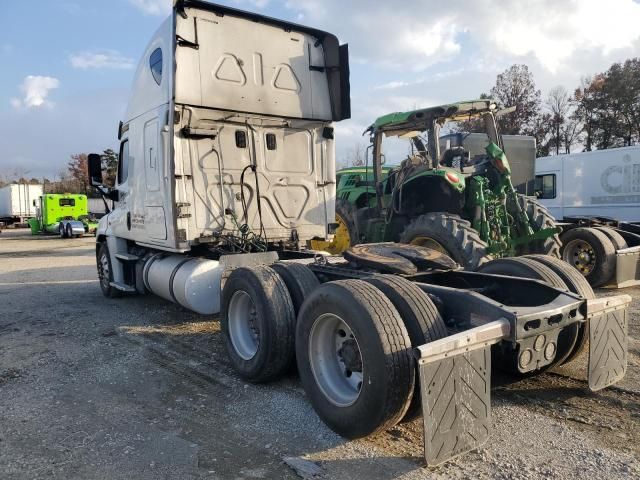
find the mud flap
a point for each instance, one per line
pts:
(455, 388)
(608, 340)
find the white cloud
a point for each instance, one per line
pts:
(101, 59)
(418, 35)
(35, 89)
(153, 7)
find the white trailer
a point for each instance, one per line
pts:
(16, 202)
(227, 168)
(595, 196)
(602, 183)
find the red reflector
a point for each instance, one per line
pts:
(452, 177)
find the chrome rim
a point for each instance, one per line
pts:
(581, 255)
(335, 360)
(104, 270)
(243, 325)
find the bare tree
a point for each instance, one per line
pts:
(515, 87)
(559, 105)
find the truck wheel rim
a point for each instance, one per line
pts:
(104, 270)
(335, 360)
(428, 242)
(243, 325)
(581, 255)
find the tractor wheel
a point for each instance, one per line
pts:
(346, 233)
(539, 218)
(448, 234)
(105, 272)
(420, 316)
(576, 283)
(525, 267)
(619, 243)
(354, 358)
(591, 252)
(258, 323)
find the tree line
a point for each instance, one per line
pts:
(602, 112)
(72, 179)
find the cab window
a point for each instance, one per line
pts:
(123, 162)
(545, 186)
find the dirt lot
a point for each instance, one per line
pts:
(138, 388)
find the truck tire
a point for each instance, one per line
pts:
(450, 235)
(539, 218)
(69, 231)
(258, 323)
(354, 358)
(299, 279)
(421, 319)
(105, 272)
(525, 267)
(591, 252)
(62, 231)
(576, 283)
(619, 243)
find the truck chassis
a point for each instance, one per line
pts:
(352, 326)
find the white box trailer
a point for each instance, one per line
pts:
(595, 196)
(227, 167)
(604, 183)
(16, 202)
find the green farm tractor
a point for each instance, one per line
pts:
(445, 200)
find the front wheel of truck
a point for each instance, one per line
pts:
(105, 272)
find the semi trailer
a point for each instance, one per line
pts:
(65, 214)
(595, 196)
(226, 170)
(16, 202)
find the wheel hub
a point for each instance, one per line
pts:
(349, 353)
(581, 255)
(336, 360)
(244, 331)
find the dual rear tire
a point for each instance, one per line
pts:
(352, 339)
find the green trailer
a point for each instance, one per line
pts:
(66, 215)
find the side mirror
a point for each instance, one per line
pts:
(95, 169)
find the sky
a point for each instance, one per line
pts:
(66, 66)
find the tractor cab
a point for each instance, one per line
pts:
(440, 196)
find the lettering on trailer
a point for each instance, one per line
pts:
(621, 182)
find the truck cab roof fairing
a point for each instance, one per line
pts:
(279, 68)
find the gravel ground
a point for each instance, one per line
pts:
(138, 388)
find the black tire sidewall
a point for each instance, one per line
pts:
(360, 418)
(604, 249)
(275, 348)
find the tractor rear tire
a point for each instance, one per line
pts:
(619, 243)
(452, 235)
(600, 252)
(299, 279)
(354, 358)
(421, 319)
(258, 323)
(576, 283)
(539, 218)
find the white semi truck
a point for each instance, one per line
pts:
(226, 170)
(595, 197)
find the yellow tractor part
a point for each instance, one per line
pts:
(341, 239)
